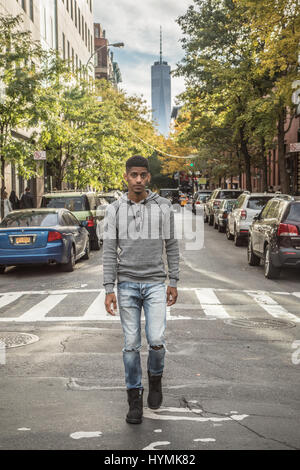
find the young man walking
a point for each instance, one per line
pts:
(138, 228)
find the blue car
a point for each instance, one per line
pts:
(37, 236)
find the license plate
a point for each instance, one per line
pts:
(22, 240)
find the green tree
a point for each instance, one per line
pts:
(21, 75)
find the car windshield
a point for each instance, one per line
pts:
(229, 194)
(294, 212)
(30, 219)
(202, 196)
(110, 199)
(257, 203)
(72, 203)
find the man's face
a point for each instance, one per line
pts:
(137, 178)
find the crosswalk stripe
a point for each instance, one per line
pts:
(96, 310)
(211, 304)
(272, 307)
(40, 310)
(7, 299)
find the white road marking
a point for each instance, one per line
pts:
(96, 310)
(153, 445)
(148, 413)
(157, 430)
(85, 435)
(24, 429)
(209, 306)
(210, 303)
(40, 310)
(206, 439)
(8, 298)
(272, 307)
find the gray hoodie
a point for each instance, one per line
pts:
(135, 236)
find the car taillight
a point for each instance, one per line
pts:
(90, 221)
(54, 236)
(217, 203)
(198, 202)
(243, 214)
(287, 230)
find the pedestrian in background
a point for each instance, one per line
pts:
(14, 200)
(136, 261)
(27, 200)
(7, 204)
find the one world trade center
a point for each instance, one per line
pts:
(161, 93)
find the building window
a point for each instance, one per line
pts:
(24, 5)
(76, 61)
(75, 11)
(85, 34)
(79, 21)
(31, 12)
(64, 45)
(91, 6)
(82, 27)
(68, 49)
(89, 41)
(72, 9)
(67, 5)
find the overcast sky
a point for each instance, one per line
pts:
(136, 23)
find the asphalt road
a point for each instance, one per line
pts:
(231, 378)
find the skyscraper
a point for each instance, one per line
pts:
(161, 93)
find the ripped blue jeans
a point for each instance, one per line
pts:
(132, 296)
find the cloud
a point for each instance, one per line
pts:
(137, 24)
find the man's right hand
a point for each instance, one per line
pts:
(111, 304)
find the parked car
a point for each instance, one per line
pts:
(222, 213)
(110, 196)
(274, 236)
(85, 206)
(199, 199)
(170, 193)
(215, 200)
(37, 236)
(239, 220)
(183, 199)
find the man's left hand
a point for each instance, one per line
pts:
(172, 295)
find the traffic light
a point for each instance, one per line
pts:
(191, 164)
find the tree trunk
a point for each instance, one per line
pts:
(264, 165)
(247, 159)
(284, 180)
(2, 186)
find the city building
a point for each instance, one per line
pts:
(105, 66)
(161, 94)
(63, 25)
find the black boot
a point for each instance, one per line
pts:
(155, 392)
(135, 400)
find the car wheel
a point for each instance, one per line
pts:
(2, 269)
(96, 244)
(228, 234)
(220, 228)
(271, 271)
(87, 250)
(210, 220)
(237, 240)
(215, 224)
(69, 266)
(205, 218)
(253, 260)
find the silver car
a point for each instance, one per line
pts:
(247, 206)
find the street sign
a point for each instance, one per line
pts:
(295, 147)
(202, 181)
(39, 155)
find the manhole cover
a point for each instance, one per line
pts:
(14, 340)
(260, 323)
